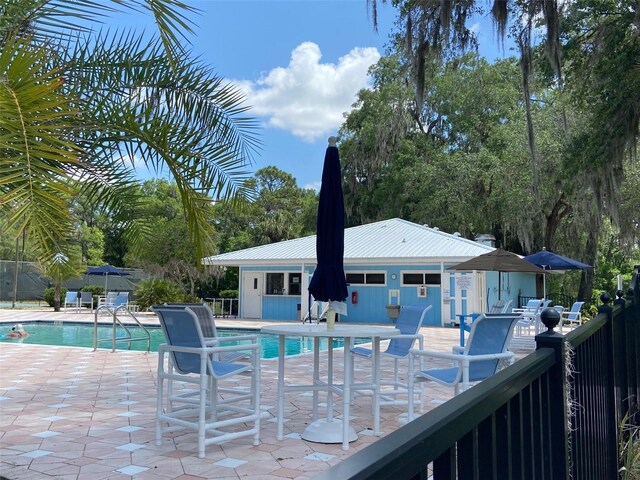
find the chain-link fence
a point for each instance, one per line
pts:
(32, 282)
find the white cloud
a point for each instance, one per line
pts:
(475, 28)
(307, 97)
(313, 186)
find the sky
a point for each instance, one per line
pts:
(301, 64)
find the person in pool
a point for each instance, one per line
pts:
(17, 331)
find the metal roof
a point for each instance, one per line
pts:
(393, 241)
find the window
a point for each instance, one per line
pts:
(375, 278)
(282, 283)
(366, 278)
(294, 284)
(275, 283)
(355, 278)
(420, 278)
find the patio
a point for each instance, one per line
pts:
(71, 413)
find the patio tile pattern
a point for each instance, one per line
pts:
(72, 413)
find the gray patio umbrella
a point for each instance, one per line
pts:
(328, 282)
(498, 260)
(105, 270)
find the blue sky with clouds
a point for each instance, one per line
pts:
(301, 64)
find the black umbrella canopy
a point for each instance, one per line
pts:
(549, 260)
(105, 270)
(498, 260)
(328, 282)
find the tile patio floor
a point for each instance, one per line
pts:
(72, 413)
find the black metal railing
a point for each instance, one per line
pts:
(556, 299)
(554, 415)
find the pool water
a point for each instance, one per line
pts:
(81, 335)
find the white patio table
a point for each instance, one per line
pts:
(329, 430)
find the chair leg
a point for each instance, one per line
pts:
(159, 398)
(421, 384)
(410, 385)
(255, 384)
(202, 412)
(465, 376)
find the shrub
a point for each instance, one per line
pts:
(96, 291)
(188, 298)
(48, 296)
(229, 294)
(156, 291)
(629, 448)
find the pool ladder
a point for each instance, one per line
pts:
(308, 317)
(113, 311)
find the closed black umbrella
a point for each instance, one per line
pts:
(328, 282)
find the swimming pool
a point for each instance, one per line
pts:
(71, 334)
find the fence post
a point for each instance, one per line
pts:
(632, 321)
(610, 381)
(556, 451)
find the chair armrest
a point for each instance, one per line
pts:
(565, 316)
(459, 357)
(238, 338)
(210, 349)
(417, 336)
(415, 352)
(488, 356)
(235, 348)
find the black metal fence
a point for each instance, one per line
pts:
(556, 299)
(554, 415)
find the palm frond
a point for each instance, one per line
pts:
(189, 121)
(56, 19)
(36, 123)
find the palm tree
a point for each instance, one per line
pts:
(81, 108)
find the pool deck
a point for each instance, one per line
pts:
(72, 413)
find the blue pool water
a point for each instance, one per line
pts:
(81, 335)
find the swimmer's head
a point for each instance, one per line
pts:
(18, 328)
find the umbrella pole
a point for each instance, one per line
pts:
(331, 319)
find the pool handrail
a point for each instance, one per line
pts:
(113, 311)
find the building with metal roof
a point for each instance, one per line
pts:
(391, 262)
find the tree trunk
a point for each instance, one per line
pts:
(586, 279)
(560, 210)
(15, 274)
(56, 296)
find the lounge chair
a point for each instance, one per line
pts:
(573, 316)
(71, 299)
(108, 300)
(121, 300)
(409, 322)
(499, 308)
(216, 419)
(86, 298)
(530, 316)
(481, 358)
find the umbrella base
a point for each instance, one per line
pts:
(327, 431)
